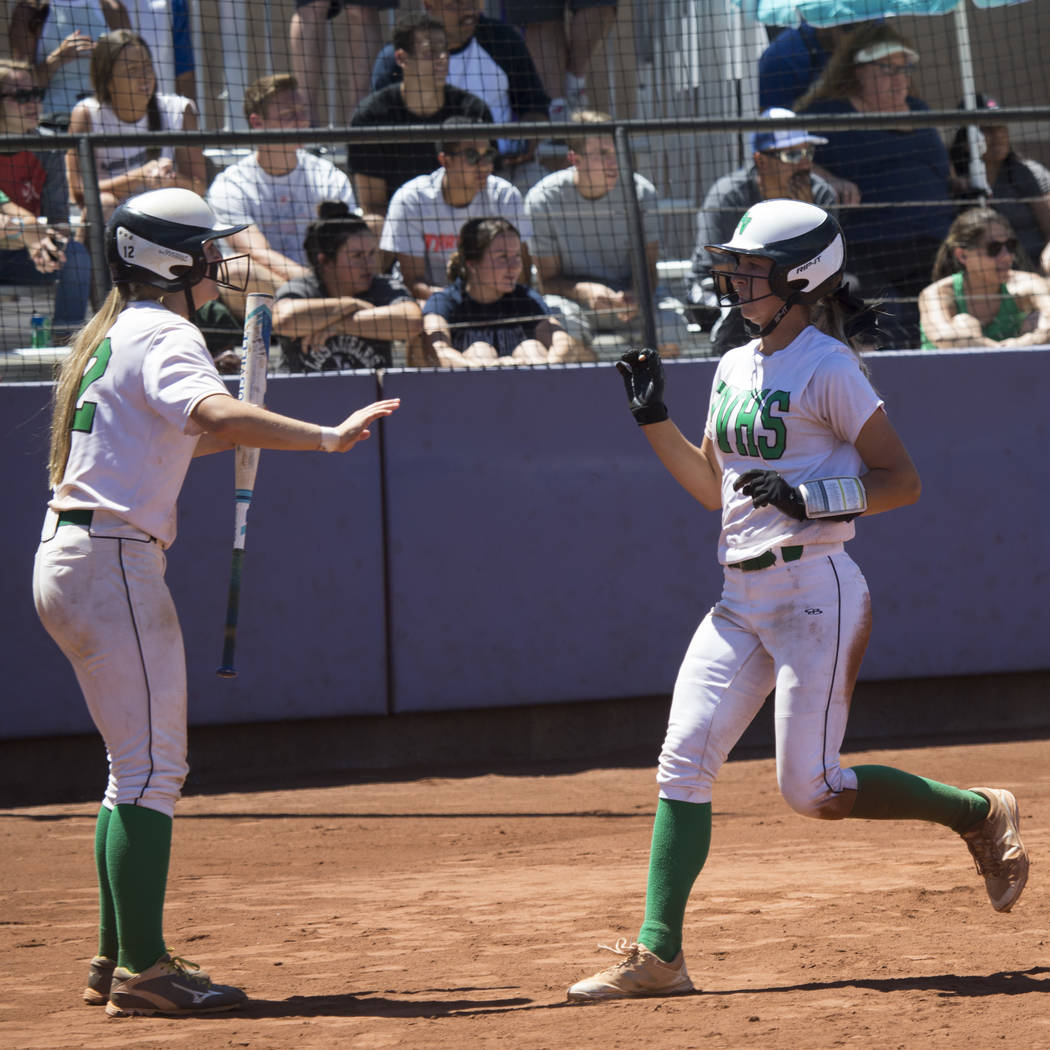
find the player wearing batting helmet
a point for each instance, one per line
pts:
(137, 398)
(796, 446)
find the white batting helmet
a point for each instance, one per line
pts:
(804, 242)
(158, 238)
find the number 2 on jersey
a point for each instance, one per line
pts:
(84, 416)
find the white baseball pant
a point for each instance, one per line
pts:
(801, 627)
(104, 601)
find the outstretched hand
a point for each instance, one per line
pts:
(355, 427)
(767, 487)
(643, 377)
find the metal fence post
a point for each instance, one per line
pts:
(96, 224)
(639, 264)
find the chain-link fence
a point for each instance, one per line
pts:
(610, 143)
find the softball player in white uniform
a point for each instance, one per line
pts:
(137, 398)
(796, 445)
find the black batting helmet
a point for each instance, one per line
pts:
(157, 238)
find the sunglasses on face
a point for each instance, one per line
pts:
(994, 248)
(472, 156)
(894, 69)
(794, 155)
(23, 95)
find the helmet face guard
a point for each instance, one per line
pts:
(158, 238)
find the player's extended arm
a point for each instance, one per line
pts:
(695, 469)
(241, 423)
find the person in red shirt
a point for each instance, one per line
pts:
(35, 181)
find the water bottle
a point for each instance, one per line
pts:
(41, 329)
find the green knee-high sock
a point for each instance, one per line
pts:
(681, 839)
(107, 916)
(138, 845)
(884, 793)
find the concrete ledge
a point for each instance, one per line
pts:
(260, 756)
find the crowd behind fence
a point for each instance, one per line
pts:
(605, 196)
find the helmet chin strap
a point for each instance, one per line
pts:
(190, 308)
(778, 316)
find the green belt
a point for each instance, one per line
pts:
(75, 517)
(763, 561)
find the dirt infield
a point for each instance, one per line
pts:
(453, 913)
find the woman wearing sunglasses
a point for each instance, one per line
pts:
(894, 184)
(35, 182)
(977, 297)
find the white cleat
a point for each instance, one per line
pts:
(997, 849)
(639, 973)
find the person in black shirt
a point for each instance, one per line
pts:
(420, 97)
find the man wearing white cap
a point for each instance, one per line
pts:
(781, 166)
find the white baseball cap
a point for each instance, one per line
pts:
(782, 138)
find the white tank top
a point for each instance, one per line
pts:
(116, 160)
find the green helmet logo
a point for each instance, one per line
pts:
(744, 223)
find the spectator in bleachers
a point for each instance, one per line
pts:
(57, 39)
(420, 96)
(126, 100)
(891, 249)
(426, 214)
(36, 183)
(489, 59)
(781, 166)
(977, 297)
(486, 317)
(563, 54)
(277, 189)
(364, 39)
(1020, 186)
(794, 59)
(343, 313)
(581, 232)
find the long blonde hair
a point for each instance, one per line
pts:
(67, 385)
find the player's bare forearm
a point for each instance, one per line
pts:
(209, 444)
(693, 468)
(225, 418)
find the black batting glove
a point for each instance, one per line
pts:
(643, 376)
(768, 487)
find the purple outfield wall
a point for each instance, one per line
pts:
(510, 539)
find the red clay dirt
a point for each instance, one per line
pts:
(453, 913)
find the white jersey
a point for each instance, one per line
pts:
(797, 411)
(112, 161)
(133, 437)
(421, 223)
(281, 206)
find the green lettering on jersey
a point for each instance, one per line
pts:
(748, 422)
(84, 416)
(774, 424)
(744, 427)
(728, 401)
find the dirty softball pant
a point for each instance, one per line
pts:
(801, 627)
(104, 601)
